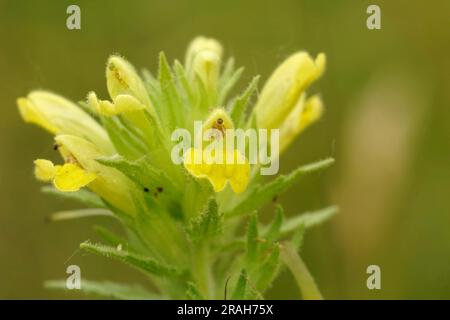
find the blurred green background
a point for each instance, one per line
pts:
(387, 123)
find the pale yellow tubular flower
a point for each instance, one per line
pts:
(285, 87)
(304, 114)
(110, 183)
(61, 116)
(69, 177)
(204, 57)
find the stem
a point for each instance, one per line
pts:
(202, 272)
(303, 277)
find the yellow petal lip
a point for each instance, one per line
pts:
(122, 103)
(44, 170)
(71, 177)
(236, 173)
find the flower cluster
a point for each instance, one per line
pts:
(182, 220)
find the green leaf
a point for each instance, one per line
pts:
(309, 219)
(265, 193)
(110, 238)
(241, 286)
(80, 213)
(252, 242)
(229, 84)
(273, 231)
(145, 264)
(83, 196)
(196, 195)
(107, 289)
(227, 72)
(207, 225)
(185, 85)
(268, 270)
(237, 111)
(173, 115)
(124, 140)
(140, 172)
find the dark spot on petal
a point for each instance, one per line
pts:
(160, 189)
(146, 189)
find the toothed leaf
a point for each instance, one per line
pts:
(265, 193)
(145, 264)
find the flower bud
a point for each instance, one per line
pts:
(204, 57)
(285, 87)
(122, 79)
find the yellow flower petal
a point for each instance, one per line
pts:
(60, 116)
(44, 170)
(122, 103)
(218, 174)
(111, 184)
(71, 177)
(241, 173)
(30, 113)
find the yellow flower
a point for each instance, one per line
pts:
(304, 114)
(219, 167)
(126, 89)
(237, 172)
(69, 177)
(285, 88)
(110, 184)
(60, 116)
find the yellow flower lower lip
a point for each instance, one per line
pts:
(236, 173)
(69, 177)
